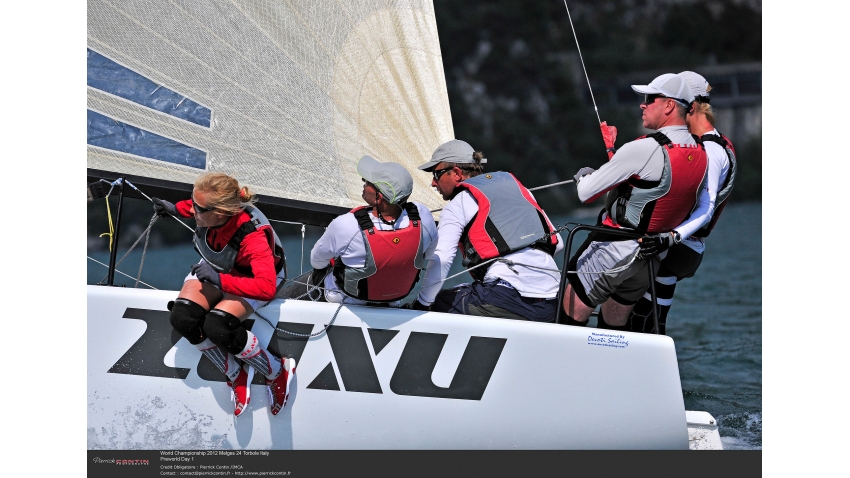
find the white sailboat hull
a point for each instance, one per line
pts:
(549, 386)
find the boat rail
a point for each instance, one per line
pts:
(627, 233)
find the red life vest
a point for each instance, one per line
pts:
(652, 207)
(726, 188)
(394, 259)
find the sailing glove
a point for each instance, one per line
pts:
(657, 243)
(205, 273)
(582, 173)
(163, 208)
(609, 135)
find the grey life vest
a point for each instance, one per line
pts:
(508, 219)
(225, 260)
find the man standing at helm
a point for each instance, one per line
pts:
(653, 184)
(374, 254)
(504, 236)
(683, 259)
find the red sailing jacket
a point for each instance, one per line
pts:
(255, 255)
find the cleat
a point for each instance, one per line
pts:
(279, 387)
(240, 390)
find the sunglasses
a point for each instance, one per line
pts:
(649, 99)
(439, 172)
(199, 209)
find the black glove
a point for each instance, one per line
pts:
(317, 277)
(205, 273)
(416, 305)
(657, 243)
(162, 207)
(582, 173)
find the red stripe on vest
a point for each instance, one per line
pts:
(478, 236)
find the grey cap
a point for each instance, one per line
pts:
(699, 85)
(455, 151)
(393, 181)
(670, 85)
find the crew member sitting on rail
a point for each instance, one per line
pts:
(241, 264)
(505, 237)
(655, 182)
(683, 259)
(375, 253)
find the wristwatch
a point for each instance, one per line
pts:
(677, 238)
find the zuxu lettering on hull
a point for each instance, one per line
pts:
(411, 376)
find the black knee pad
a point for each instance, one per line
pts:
(225, 330)
(187, 318)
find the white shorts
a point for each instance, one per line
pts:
(254, 303)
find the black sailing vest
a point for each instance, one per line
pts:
(724, 190)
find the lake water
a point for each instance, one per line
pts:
(715, 320)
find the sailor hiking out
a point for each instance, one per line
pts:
(653, 184)
(374, 254)
(506, 240)
(242, 264)
(683, 258)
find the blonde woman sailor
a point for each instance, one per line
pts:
(242, 264)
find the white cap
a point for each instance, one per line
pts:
(670, 85)
(699, 85)
(454, 151)
(393, 181)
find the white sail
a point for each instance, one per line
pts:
(290, 93)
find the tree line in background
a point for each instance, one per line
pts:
(517, 91)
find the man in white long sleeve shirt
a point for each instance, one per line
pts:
(653, 184)
(374, 254)
(504, 236)
(683, 260)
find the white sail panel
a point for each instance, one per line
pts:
(297, 91)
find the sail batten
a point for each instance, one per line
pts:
(296, 91)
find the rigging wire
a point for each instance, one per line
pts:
(145, 233)
(532, 189)
(151, 200)
(303, 235)
(116, 270)
(582, 62)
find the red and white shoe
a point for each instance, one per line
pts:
(279, 387)
(240, 390)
